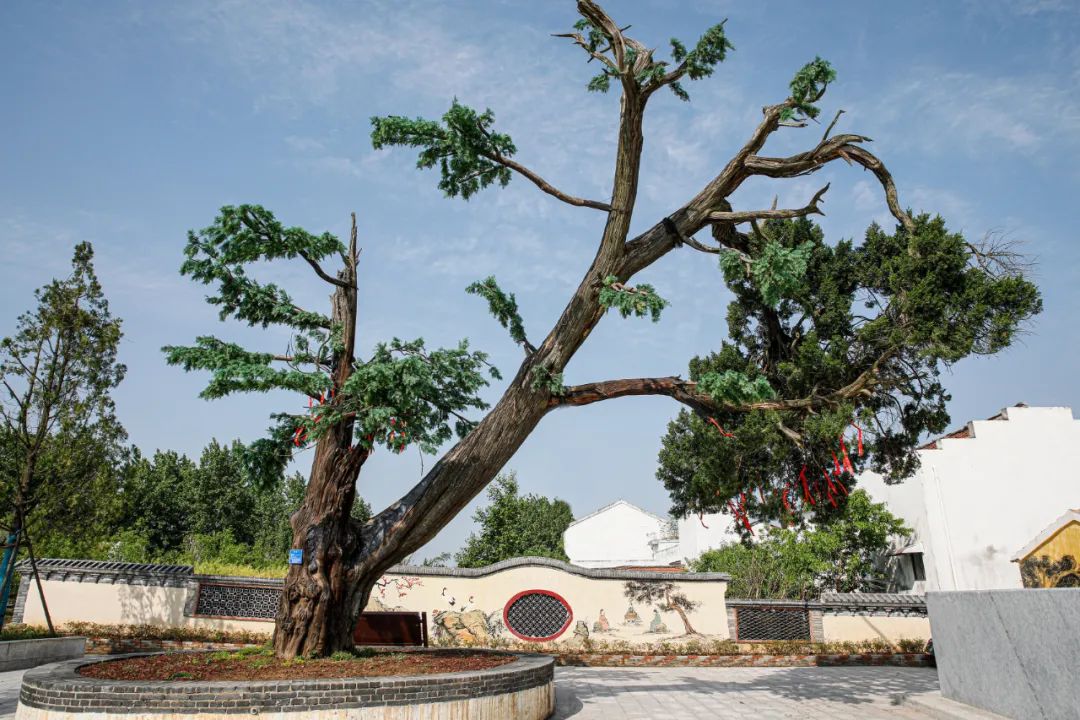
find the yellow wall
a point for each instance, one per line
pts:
(471, 609)
(853, 628)
(460, 610)
(1066, 541)
(123, 604)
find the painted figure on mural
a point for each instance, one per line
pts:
(601, 625)
(656, 625)
(631, 617)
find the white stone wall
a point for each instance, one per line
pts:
(975, 501)
(613, 536)
(1013, 652)
(696, 535)
(623, 534)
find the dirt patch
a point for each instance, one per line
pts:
(260, 664)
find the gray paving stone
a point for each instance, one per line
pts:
(865, 693)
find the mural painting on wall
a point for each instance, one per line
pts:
(390, 589)
(1042, 572)
(664, 597)
(656, 610)
(659, 598)
(458, 625)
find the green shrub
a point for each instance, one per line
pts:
(157, 632)
(24, 632)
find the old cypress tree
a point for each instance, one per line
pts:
(405, 393)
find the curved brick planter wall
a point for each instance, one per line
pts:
(521, 690)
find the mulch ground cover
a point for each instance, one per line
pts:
(260, 664)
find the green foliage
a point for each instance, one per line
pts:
(640, 300)
(710, 50)
(808, 86)
(777, 271)
(695, 64)
(405, 393)
(502, 305)
(59, 436)
(163, 632)
(24, 632)
(544, 379)
(847, 555)
(515, 526)
(779, 566)
(462, 146)
(855, 543)
(735, 387)
(166, 508)
(234, 369)
(900, 308)
(245, 234)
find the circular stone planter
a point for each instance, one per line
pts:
(520, 690)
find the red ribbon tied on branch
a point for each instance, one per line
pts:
(723, 432)
(830, 488)
(860, 438)
(807, 496)
(740, 512)
(848, 467)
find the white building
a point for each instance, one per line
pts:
(623, 535)
(980, 495)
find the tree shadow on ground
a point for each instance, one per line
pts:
(577, 687)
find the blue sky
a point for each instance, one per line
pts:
(126, 124)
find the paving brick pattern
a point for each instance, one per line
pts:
(858, 693)
(58, 688)
(747, 660)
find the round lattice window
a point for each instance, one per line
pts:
(537, 615)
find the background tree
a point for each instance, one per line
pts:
(58, 371)
(853, 546)
(515, 526)
(778, 566)
(665, 596)
(848, 554)
(937, 299)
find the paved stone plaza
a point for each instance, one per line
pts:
(858, 693)
(862, 693)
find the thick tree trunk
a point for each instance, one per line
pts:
(315, 616)
(321, 598)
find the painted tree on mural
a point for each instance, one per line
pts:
(407, 394)
(665, 596)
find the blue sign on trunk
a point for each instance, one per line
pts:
(296, 557)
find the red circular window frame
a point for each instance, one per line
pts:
(526, 638)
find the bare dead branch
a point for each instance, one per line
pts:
(843, 147)
(594, 54)
(811, 208)
(322, 273)
(1001, 256)
(545, 185)
(685, 391)
(831, 126)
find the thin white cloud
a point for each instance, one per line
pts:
(935, 110)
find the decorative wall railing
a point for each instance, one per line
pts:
(756, 620)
